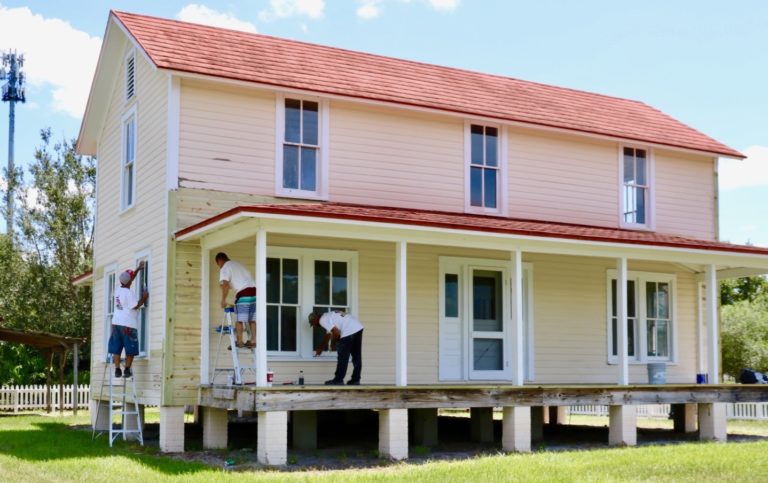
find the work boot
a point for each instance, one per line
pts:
(128, 373)
(118, 373)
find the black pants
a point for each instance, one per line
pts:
(346, 346)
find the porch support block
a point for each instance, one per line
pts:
(172, 429)
(131, 420)
(684, 417)
(304, 429)
(712, 422)
(272, 438)
(393, 434)
(424, 426)
(215, 426)
(537, 423)
(623, 426)
(557, 414)
(516, 433)
(100, 415)
(482, 425)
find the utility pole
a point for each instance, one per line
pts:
(13, 92)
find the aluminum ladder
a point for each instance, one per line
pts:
(238, 369)
(119, 405)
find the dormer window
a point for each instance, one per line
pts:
(130, 76)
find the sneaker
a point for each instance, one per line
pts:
(127, 373)
(353, 383)
(118, 372)
(334, 382)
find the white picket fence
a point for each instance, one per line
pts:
(755, 411)
(33, 398)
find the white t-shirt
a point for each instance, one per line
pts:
(125, 301)
(347, 324)
(237, 275)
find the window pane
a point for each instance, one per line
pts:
(614, 337)
(631, 337)
(292, 120)
(640, 215)
(641, 171)
(308, 169)
(650, 300)
(318, 332)
(477, 144)
(451, 295)
(322, 282)
(310, 123)
(662, 300)
(476, 186)
(662, 334)
(272, 327)
(491, 144)
(129, 186)
(490, 188)
(287, 328)
(629, 168)
(290, 167)
(488, 354)
(339, 295)
(651, 335)
(629, 204)
(486, 301)
(273, 280)
(290, 281)
(631, 302)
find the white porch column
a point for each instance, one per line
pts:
(261, 310)
(518, 353)
(393, 434)
(621, 320)
(272, 437)
(205, 299)
(713, 344)
(401, 314)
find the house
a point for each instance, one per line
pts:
(505, 243)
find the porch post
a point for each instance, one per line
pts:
(713, 346)
(518, 361)
(261, 308)
(621, 320)
(205, 295)
(401, 314)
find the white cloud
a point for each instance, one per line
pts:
(369, 9)
(753, 171)
(57, 56)
(444, 5)
(197, 13)
(290, 8)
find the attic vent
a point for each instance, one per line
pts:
(130, 75)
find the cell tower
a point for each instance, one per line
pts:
(13, 92)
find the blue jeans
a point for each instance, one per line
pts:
(346, 346)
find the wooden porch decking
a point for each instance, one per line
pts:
(307, 398)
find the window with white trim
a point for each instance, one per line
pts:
(485, 168)
(128, 161)
(635, 189)
(109, 303)
(301, 154)
(141, 286)
(282, 304)
(650, 321)
(130, 76)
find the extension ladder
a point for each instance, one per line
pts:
(119, 406)
(238, 369)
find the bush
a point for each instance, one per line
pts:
(744, 336)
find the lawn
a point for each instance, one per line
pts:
(42, 448)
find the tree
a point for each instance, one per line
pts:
(746, 288)
(744, 335)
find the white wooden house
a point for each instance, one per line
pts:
(505, 243)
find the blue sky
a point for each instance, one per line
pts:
(703, 62)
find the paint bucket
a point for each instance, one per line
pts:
(702, 378)
(270, 378)
(657, 373)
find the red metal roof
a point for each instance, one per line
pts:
(262, 59)
(481, 223)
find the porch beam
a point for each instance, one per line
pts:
(261, 308)
(713, 344)
(401, 314)
(621, 320)
(518, 359)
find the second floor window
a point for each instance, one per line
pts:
(635, 189)
(128, 174)
(301, 146)
(485, 164)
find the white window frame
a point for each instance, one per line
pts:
(641, 351)
(323, 139)
(129, 116)
(650, 208)
(306, 258)
(145, 255)
(130, 55)
(502, 180)
(109, 271)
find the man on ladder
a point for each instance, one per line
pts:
(234, 276)
(124, 333)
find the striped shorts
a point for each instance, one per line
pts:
(245, 309)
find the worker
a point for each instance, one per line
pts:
(234, 276)
(124, 334)
(347, 332)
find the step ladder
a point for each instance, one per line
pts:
(238, 370)
(119, 405)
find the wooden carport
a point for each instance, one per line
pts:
(49, 344)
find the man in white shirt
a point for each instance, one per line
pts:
(234, 276)
(124, 333)
(347, 332)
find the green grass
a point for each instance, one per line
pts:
(41, 449)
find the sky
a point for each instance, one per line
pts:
(702, 62)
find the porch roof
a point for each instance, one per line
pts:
(471, 222)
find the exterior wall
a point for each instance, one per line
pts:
(118, 237)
